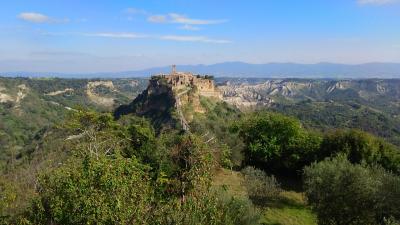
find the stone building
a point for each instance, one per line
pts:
(204, 85)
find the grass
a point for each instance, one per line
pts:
(231, 181)
(289, 208)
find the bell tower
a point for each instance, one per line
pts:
(173, 69)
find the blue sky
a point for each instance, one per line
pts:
(94, 36)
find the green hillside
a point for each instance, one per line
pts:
(30, 106)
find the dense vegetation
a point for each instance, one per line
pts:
(28, 107)
(93, 167)
(346, 193)
(360, 185)
(279, 143)
(118, 173)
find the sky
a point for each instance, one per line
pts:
(77, 36)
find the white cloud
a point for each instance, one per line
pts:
(194, 39)
(157, 19)
(177, 18)
(126, 35)
(376, 2)
(122, 35)
(181, 19)
(189, 27)
(34, 17)
(116, 35)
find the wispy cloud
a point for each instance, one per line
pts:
(194, 39)
(182, 19)
(180, 38)
(157, 19)
(376, 2)
(189, 27)
(34, 17)
(115, 35)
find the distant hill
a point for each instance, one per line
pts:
(28, 107)
(240, 69)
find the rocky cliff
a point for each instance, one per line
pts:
(264, 93)
(171, 100)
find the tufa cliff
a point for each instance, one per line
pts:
(171, 99)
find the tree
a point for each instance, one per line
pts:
(275, 141)
(360, 146)
(102, 190)
(142, 142)
(95, 133)
(345, 193)
(193, 163)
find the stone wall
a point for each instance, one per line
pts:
(203, 86)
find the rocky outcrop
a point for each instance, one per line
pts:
(168, 97)
(245, 94)
(97, 98)
(54, 93)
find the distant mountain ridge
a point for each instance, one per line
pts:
(241, 69)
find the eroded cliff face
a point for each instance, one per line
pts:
(171, 99)
(157, 99)
(268, 92)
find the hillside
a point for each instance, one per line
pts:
(180, 152)
(372, 105)
(170, 100)
(29, 106)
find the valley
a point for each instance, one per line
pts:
(45, 123)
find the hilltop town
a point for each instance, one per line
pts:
(178, 92)
(184, 81)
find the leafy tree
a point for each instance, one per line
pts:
(344, 193)
(95, 133)
(106, 190)
(359, 146)
(277, 142)
(193, 163)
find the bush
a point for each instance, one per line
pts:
(260, 187)
(236, 210)
(103, 191)
(214, 208)
(343, 193)
(360, 146)
(276, 142)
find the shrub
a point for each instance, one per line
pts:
(343, 193)
(260, 187)
(103, 191)
(214, 208)
(236, 210)
(360, 146)
(225, 157)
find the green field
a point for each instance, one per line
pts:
(290, 208)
